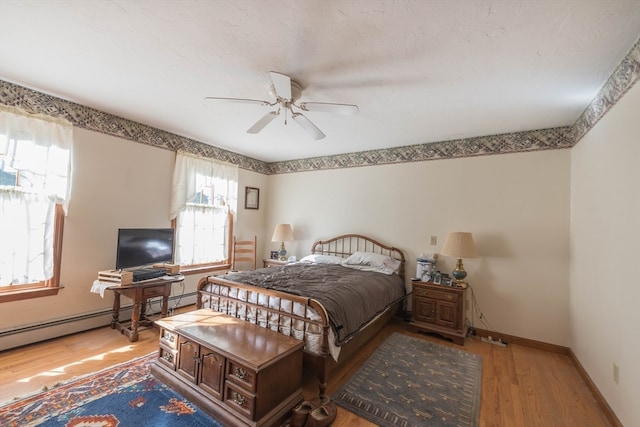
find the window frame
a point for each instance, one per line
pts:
(52, 133)
(47, 287)
(195, 174)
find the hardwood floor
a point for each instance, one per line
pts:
(521, 386)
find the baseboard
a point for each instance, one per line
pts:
(511, 339)
(611, 416)
(29, 334)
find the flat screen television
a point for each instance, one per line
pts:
(138, 247)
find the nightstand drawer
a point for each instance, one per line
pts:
(274, 263)
(441, 295)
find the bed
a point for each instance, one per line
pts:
(335, 299)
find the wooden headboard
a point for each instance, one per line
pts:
(347, 244)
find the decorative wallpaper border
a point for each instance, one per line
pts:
(98, 121)
(620, 81)
(545, 139)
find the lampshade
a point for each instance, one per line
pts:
(282, 233)
(459, 244)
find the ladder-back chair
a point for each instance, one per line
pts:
(244, 251)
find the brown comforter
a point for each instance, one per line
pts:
(351, 297)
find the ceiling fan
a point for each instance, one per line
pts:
(286, 92)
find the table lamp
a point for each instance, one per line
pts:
(282, 233)
(459, 244)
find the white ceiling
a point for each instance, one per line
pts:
(420, 71)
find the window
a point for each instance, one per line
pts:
(35, 171)
(204, 201)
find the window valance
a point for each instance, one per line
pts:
(191, 174)
(41, 148)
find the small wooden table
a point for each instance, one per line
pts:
(140, 293)
(439, 309)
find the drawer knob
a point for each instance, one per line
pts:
(168, 357)
(240, 373)
(239, 399)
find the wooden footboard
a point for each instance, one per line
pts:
(296, 316)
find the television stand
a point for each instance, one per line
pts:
(140, 293)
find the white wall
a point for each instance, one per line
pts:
(516, 206)
(251, 222)
(605, 247)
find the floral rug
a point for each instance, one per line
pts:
(409, 382)
(122, 395)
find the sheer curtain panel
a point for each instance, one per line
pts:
(35, 176)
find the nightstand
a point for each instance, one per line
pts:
(439, 309)
(274, 262)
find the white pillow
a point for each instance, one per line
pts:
(382, 262)
(322, 259)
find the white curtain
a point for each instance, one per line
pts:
(201, 235)
(26, 247)
(38, 150)
(192, 173)
(202, 226)
(41, 147)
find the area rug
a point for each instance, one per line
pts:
(122, 395)
(409, 382)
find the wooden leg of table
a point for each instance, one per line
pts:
(116, 310)
(135, 320)
(165, 302)
(143, 308)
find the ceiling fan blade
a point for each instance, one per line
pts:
(329, 107)
(240, 100)
(282, 85)
(308, 126)
(265, 120)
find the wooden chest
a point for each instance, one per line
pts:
(240, 373)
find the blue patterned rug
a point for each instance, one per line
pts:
(409, 382)
(123, 395)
